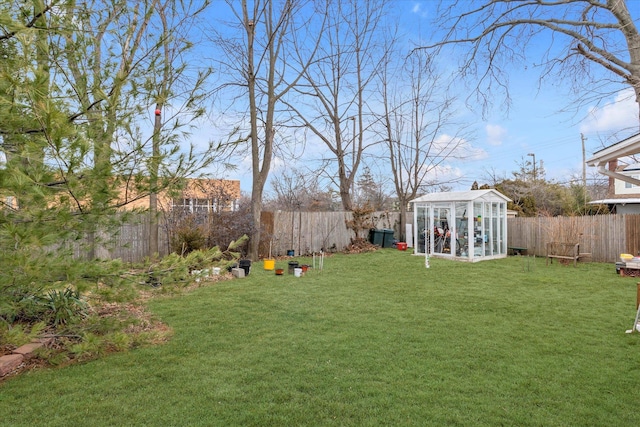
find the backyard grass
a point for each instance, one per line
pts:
(374, 339)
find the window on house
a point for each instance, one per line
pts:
(200, 205)
(630, 185)
(204, 205)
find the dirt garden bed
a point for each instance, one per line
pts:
(54, 348)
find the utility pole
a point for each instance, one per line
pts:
(584, 162)
(584, 171)
(353, 155)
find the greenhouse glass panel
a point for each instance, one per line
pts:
(421, 227)
(462, 229)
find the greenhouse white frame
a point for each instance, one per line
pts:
(442, 221)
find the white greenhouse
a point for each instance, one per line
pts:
(461, 225)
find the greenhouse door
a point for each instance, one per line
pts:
(441, 231)
(423, 218)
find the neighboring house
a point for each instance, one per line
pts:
(199, 195)
(208, 195)
(624, 179)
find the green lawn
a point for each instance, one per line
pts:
(375, 339)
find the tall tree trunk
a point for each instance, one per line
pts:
(153, 183)
(257, 185)
(403, 218)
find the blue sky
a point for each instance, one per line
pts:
(502, 139)
(535, 122)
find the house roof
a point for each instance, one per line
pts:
(626, 147)
(462, 196)
(614, 201)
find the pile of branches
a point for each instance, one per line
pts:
(360, 245)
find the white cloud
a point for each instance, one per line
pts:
(419, 10)
(456, 148)
(447, 172)
(442, 173)
(619, 114)
(495, 134)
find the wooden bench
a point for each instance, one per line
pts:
(568, 251)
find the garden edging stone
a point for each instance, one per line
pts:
(11, 362)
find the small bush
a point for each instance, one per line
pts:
(122, 292)
(188, 236)
(102, 324)
(22, 305)
(90, 347)
(18, 334)
(119, 341)
(361, 221)
(224, 227)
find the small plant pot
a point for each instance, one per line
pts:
(279, 271)
(292, 266)
(245, 264)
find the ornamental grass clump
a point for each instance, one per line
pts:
(64, 306)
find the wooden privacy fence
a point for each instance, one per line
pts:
(605, 237)
(308, 232)
(302, 232)
(130, 242)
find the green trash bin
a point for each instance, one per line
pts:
(376, 237)
(387, 241)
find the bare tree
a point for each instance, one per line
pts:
(268, 61)
(415, 120)
(172, 88)
(372, 191)
(299, 190)
(333, 101)
(581, 38)
(491, 177)
(289, 188)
